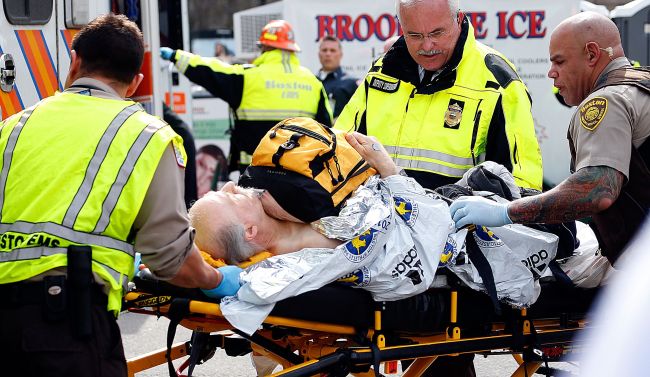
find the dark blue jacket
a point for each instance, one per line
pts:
(339, 87)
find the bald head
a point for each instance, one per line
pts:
(400, 4)
(223, 229)
(586, 27)
(580, 49)
(208, 220)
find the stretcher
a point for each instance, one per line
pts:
(337, 330)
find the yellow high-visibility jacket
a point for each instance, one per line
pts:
(273, 88)
(475, 109)
(76, 180)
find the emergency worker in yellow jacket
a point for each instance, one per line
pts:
(273, 88)
(88, 178)
(441, 102)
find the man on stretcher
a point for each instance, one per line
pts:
(236, 223)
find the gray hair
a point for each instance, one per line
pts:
(454, 6)
(231, 238)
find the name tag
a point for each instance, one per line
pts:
(383, 85)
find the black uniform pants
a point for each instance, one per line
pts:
(32, 343)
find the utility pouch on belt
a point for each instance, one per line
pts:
(54, 308)
(79, 287)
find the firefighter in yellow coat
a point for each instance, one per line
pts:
(441, 102)
(273, 88)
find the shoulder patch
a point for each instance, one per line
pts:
(383, 85)
(179, 152)
(502, 71)
(593, 112)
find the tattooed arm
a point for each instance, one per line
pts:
(588, 191)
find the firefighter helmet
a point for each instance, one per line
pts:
(278, 34)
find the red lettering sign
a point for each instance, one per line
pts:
(532, 24)
(361, 28)
(477, 19)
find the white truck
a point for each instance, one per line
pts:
(35, 39)
(519, 29)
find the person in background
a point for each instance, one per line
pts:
(184, 131)
(212, 168)
(608, 139)
(441, 103)
(221, 52)
(276, 87)
(89, 178)
(339, 85)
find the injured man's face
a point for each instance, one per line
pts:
(227, 222)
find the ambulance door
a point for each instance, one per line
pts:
(175, 88)
(145, 15)
(28, 48)
(72, 15)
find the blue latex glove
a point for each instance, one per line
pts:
(137, 262)
(229, 284)
(166, 53)
(469, 210)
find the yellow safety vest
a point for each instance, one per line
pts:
(74, 171)
(446, 132)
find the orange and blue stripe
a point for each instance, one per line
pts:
(11, 102)
(37, 55)
(67, 35)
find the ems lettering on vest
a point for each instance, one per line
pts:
(10, 241)
(383, 85)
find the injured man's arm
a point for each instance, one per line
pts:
(236, 223)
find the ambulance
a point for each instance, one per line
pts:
(35, 40)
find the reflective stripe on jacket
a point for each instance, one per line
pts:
(77, 179)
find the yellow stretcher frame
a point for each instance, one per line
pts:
(317, 347)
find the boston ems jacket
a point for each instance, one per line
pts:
(273, 88)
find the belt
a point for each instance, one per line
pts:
(35, 293)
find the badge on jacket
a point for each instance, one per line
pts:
(454, 114)
(593, 112)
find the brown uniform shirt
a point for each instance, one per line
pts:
(607, 123)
